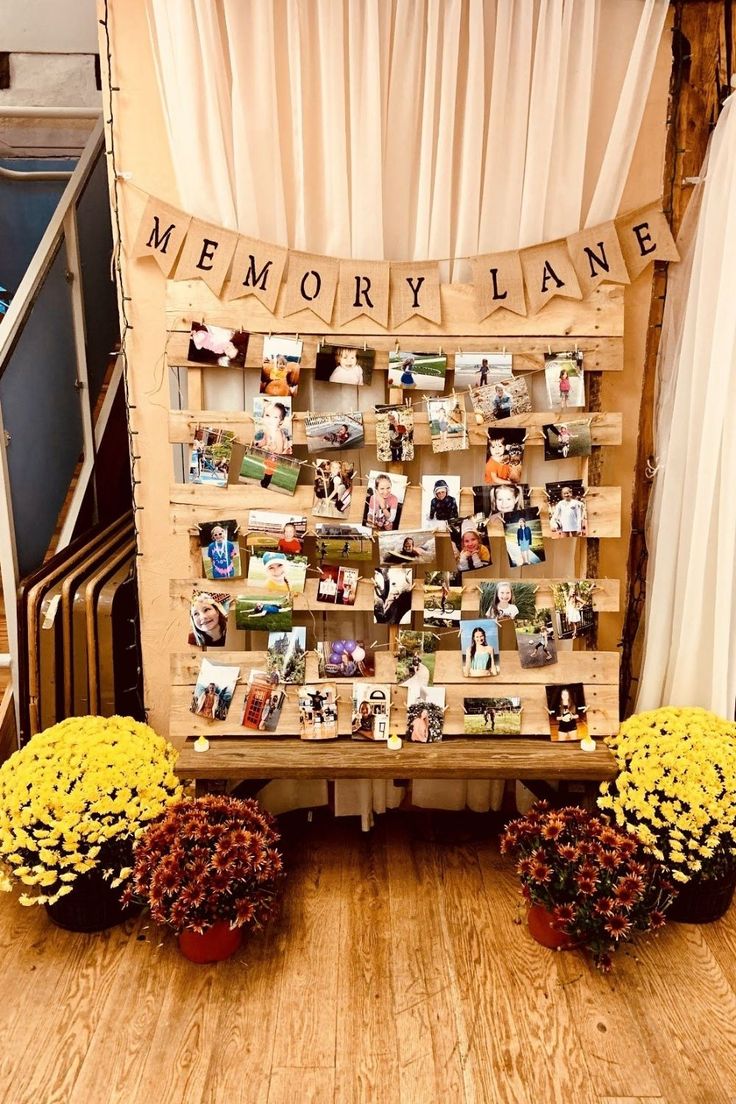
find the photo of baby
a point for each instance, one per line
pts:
(326, 432)
(394, 434)
(216, 345)
(344, 364)
(272, 429)
(384, 500)
(280, 366)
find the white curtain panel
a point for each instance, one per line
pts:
(404, 129)
(690, 639)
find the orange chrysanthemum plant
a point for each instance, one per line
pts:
(598, 882)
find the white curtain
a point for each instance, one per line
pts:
(690, 640)
(404, 129)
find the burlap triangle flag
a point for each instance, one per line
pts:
(498, 282)
(596, 256)
(257, 270)
(311, 284)
(161, 233)
(207, 254)
(415, 289)
(363, 288)
(645, 236)
(548, 271)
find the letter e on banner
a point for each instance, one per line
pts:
(415, 289)
(645, 236)
(207, 254)
(498, 282)
(311, 284)
(161, 233)
(363, 288)
(548, 271)
(597, 257)
(257, 270)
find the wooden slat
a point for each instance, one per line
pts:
(344, 759)
(601, 315)
(605, 596)
(191, 502)
(8, 731)
(606, 429)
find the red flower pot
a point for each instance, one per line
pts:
(539, 922)
(213, 945)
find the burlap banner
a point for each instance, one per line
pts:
(522, 281)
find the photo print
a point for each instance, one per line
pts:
(264, 700)
(417, 371)
(318, 712)
(280, 368)
(384, 500)
(344, 364)
(209, 459)
(392, 589)
(563, 373)
(272, 425)
(425, 714)
(447, 425)
(344, 542)
(260, 610)
(276, 532)
(522, 532)
(220, 549)
(214, 691)
(269, 470)
(208, 612)
(333, 488)
(215, 345)
(371, 711)
(337, 585)
(479, 648)
(503, 399)
(504, 455)
(501, 500)
(492, 716)
(415, 546)
(275, 572)
(443, 599)
(568, 515)
(504, 600)
(567, 712)
(565, 439)
(535, 639)
(416, 654)
(470, 544)
(481, 369)
(287, 655)
(573, 603)
(394, 434)
(440, 498)
(345, 659)
(329, 432)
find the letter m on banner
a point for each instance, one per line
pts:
(258, 269)
(161, 234)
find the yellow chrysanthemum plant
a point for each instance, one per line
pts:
(73, 795)
(676, 789)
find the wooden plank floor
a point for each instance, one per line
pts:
(396, 973)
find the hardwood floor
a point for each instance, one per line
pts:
(398, 972)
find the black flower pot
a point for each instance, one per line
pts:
(703, 900)
(93, 904)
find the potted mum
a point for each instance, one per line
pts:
(72, 802)
(588, 884)
(676, 789)
(208, 868)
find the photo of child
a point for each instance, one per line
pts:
(327, 432)
(501, 500)
(384, 500)
(447, 425)
(280, 366)
(440, 498)
(277, 572)
(425, 714)
(417, 371)
(567, 712)
(214, 691)
(470, 544)
(573, 602)
(220, 549)
(269, 470)
(535, 639)
(371, 711)
(566, 439)
(392, 587)
(417, 546)
(443, 598)
(492, 716)
(565, 382)
(264, 700)
(257, 609)
(481, 369)
(502, 399)
(318, 712)
(394, 434)
(209, 458)
(507, 601)
(337, 585)
(345, 659)
(479, 647)
(416, 655)
(568, 516)
(523, 534)
(505, 453)
(272, 429)
(333, 486)
(344, 542)
(216, 345)
(208, 619)
(344, 364)
(277, 532)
